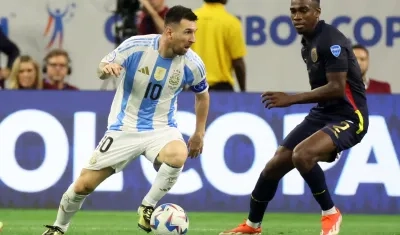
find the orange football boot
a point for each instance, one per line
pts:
(331, 223)
(242, 229)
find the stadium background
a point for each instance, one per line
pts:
(266, 24)
(41, 155)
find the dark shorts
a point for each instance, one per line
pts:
(344, 134)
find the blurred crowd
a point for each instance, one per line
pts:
(22, 72)
(219, 42)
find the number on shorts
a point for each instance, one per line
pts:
(344, 126)
(154, 90)
(105, 144)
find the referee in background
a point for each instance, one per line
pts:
(220, 43)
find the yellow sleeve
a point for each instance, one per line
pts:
(235, 40)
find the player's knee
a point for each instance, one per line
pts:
(83, 187)
(89, 180)
(174, 153)
(279, 165)
(303, 157)
(177, 159)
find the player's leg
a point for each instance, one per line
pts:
(267, 183)
(171, 159)
(324, 145)
(73, 198)
(115, 150)
(318, 147)
(168, 152)
(264, 191)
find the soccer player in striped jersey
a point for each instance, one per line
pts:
(153, 70)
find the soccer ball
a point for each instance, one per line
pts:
(169, 219)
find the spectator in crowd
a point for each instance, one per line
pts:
(56, 68)
(220, 43)
(151, 17)
(25, 75)
(11, 50)
(371, 85)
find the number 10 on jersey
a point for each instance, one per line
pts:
(153, 91)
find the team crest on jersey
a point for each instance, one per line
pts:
(314, 55)
(174, 80)
(336, 49)
(159, 74)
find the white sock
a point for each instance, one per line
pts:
(253, 225)
(329, 212)
(69, 205)
(165, 179)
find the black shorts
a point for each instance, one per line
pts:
(345, 134)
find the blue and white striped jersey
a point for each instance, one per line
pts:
(146, 98)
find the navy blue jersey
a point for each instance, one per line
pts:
(328, 50)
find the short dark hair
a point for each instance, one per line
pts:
(213, 1)
(177, 13)
(361, 47)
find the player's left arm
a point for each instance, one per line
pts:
(201, 107)
(196, 74)
(202, 104)
(335, 58)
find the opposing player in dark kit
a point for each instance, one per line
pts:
(338, 121)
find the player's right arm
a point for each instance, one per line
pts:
(334, 55)
(113, 63)
(107, 70)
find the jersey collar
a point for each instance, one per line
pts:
(317, 30)
(318, 27)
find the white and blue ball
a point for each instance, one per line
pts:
(169, 219)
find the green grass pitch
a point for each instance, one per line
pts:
(30, 222)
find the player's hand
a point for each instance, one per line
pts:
(112, 69)
(276, 99)
(195, 145)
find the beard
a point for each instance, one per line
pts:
(179, 51)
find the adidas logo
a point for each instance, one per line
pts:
(144, 70)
